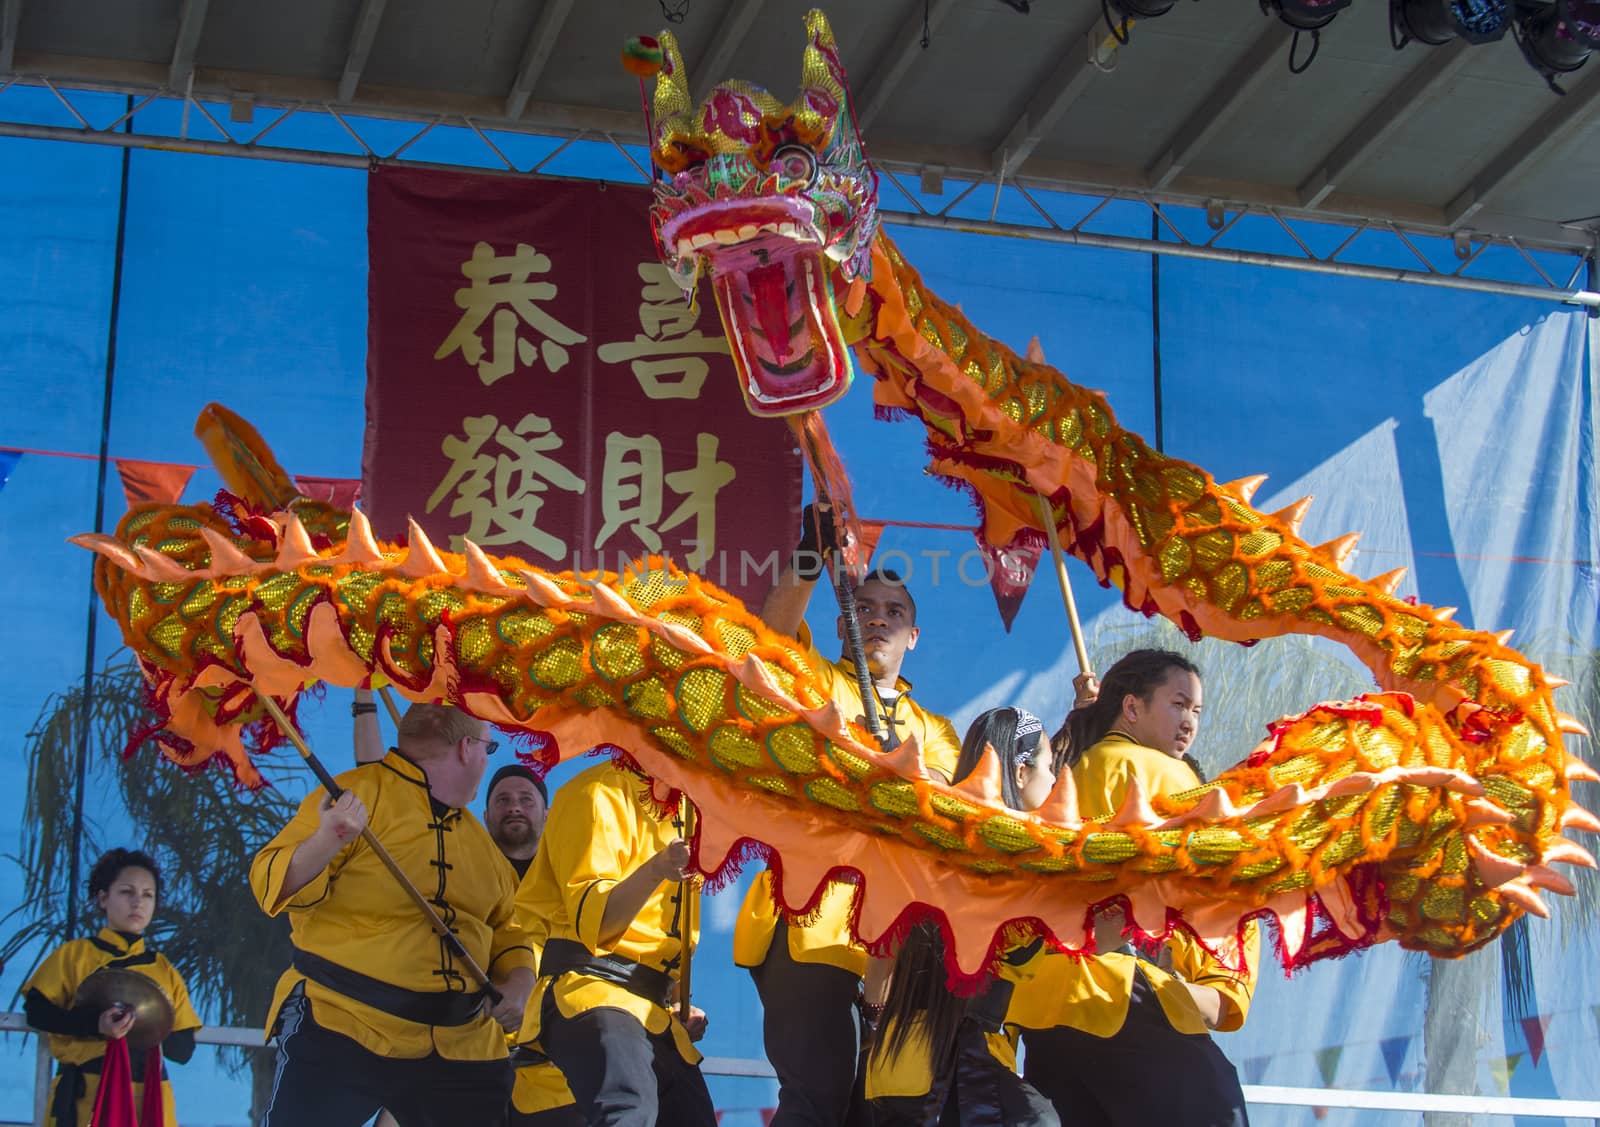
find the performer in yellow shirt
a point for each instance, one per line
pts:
(607, 901)
(936, 1055)
(1115, 1039)
(514, 807)
(810, 975)
(126, 886)
(375, 1010)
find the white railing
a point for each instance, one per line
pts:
(1256, 1094)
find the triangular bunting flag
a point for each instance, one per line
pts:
(8, 462)
(871, 533)
(1534, 1029)
(161, 482)
(1502, 1070)
(340, 492)
(1010, 572)
(1394, 1055)
(1254, 1069)
(766, 1115)
(719, 1116)
(1319, 1113)
(1328, 1063)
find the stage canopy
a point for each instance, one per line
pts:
(1199, 108)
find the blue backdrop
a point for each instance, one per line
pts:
(1456, 429)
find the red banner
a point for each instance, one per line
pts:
(538, 384)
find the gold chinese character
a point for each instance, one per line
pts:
(503, 493)
(633, 486)
(630, 489)
(669, 336)
(485, 296)
(699, 488)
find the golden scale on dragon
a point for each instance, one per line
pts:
(1430, 813)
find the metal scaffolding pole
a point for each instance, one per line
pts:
(1050, 231)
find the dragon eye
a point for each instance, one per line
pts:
(795, 162)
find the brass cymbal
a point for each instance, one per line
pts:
(113, 986)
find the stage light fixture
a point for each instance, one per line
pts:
(1305, 15)
(1121, 14)
(1549, 36)
(1309, 16)
(1436, 22)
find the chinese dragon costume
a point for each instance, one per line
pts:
(1430, 812)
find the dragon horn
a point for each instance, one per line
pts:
(1061, 808)
(1494, 869)
(1389, 580)
(482, 575)
(421, 561)
(114, 550)
(1576, 770)
(1339, 549)
(226, 558)
(1136, 809)
(1564, 852)
(905, 760)
(1576, 817)
(1292, 515)
(1572, 726)
(819, 66)
(296, 546)
(983, 782)
(1520, 893)
(672, 86)
(359, 547)
(1541, 876)
(1245, 487)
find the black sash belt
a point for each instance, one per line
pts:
(564, 955)
(71, 1086)
(425, 1007)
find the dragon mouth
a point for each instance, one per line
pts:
(771, 277)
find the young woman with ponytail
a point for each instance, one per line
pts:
(1119, 1039)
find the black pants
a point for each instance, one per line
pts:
(327, 1080)
(621, 1075)
(1146, 1073)
(977, 1092)
(812, 1035)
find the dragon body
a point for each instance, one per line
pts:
(1431, 812)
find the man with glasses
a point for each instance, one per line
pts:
(375, 1011)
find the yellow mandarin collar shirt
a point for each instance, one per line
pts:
(1092, 993)
(65, 968)
(825, 936)
(602, 826)
(355, 914)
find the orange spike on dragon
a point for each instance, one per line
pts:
(1431, 812)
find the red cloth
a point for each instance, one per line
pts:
(113, 1105)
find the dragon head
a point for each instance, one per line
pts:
(768, 198)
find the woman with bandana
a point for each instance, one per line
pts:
(939, 1058)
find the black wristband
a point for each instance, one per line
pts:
(363, 708)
